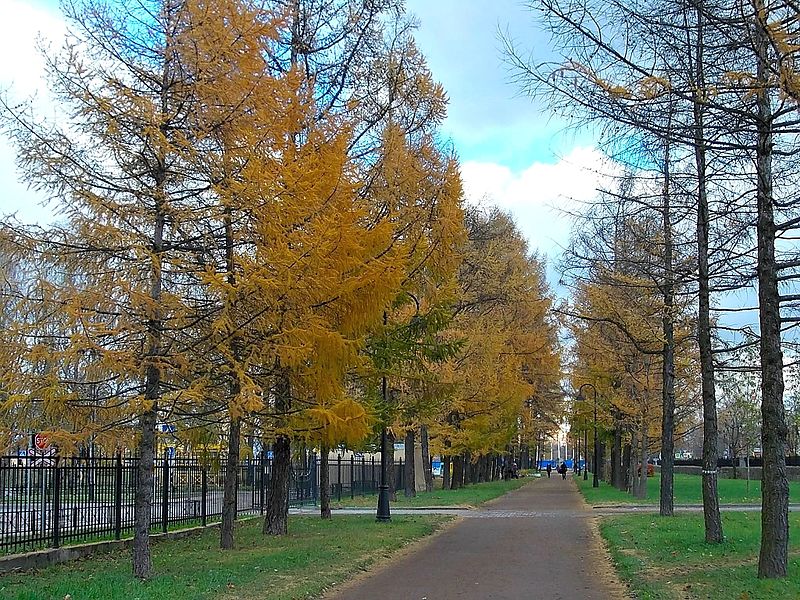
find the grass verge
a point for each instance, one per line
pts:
(687, 490)
(471, 495)
(666, 557)
(314, 556)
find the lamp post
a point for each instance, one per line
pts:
(595, 482)
(383, 515)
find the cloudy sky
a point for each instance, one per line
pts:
(513, 153)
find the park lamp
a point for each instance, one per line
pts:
(383, 514)
(582, 398)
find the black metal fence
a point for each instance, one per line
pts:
(755, 461)
(46, 503)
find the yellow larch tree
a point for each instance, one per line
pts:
(119, 169)
(417, 187)
(510, 351)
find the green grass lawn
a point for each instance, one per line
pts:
(666, 558)
(471, 495)
(687, 491)
(315, 555)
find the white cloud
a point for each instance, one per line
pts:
(539, 195)
(22, 25)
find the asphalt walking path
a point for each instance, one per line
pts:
(536, 543)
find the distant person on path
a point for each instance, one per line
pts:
(563, 470)
(549, 468)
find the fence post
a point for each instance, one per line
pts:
(118, 497)
(56, 504)
(352, 476)
(251, 480)
(363, 474)
(204, 494)
(165, 496)
(372, 476)
(339, 477)
(263, 477)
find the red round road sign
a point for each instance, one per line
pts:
(41, 441)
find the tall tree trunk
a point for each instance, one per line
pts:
(457, 479)
(666, 498)
(525, 457)
(601, 459)
(324, 483)
(231, 483)
(616, 454)
(142, 561)
(642, 490)
(426, 457)
(773, 556)
(635, 473)
(410, 490)
(626, 467)
(143, 501)
(276, 520)
(446, 472)
(711, 516)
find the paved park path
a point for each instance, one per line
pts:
(535, 543)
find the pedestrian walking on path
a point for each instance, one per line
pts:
(536, 543)
(549, 468)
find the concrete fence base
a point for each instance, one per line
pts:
(52, 556)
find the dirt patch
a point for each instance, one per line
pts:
(600, 551)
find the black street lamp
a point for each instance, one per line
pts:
(383, 514)
(595, 482)
(383, 489)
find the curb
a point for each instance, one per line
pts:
(400, 507)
